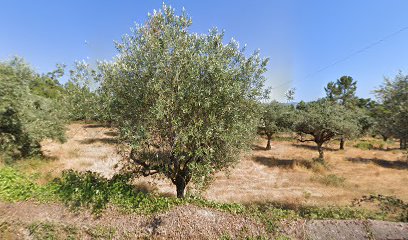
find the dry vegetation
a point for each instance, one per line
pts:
(283, 174)
(286, 174)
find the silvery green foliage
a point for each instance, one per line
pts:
(324, 120)
(25, 118)
(184, 103)
(81, 99)
(393, 109)
(276, 117)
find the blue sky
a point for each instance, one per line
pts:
(300, 37)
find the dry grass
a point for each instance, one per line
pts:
(88, 147)
(284, 174)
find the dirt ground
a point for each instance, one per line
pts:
(276, 175)
(28, 220)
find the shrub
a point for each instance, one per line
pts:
(364, 146)
(15, 186)
(337, 213)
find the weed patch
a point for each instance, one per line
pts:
(388, 205)
(364, 146)
(15, 186)
(330, 180)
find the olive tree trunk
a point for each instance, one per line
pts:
(181, 181)
(342, 143)
(321, 152)
(268, 145)
(403, 143)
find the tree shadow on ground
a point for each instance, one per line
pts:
(258, 147)
(94, 125)
(111, 134)
(99, 140)
(314, 148)
(283, 163)
(388, 149)
(274, 162)
(401, 165)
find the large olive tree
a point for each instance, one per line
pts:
(324, 121)
(184, 103)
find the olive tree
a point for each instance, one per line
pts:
(81, 99)
(393, 99)
(25, 118)
(276, 117)
(185, 104)
(342, 92)
(324, 121)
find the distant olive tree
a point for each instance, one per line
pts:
(392, 114)
(382, 125)
(342, 92)
(276, 117)
(48, 85)
(25, 117)
(81, 97)
(324, 121)
(185, 104)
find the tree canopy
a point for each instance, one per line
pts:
(25, 117)
(324, 121)
(392, 113)
(276, 117)
(185, 104)
(342, 92)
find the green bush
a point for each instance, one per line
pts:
(15, 186)
(364, 146)
(89, 189)
(337, 213)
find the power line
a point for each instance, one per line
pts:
(348, 56)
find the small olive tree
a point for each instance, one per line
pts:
(324, 121)
(185, 104)
(276, 117)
